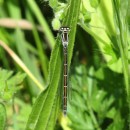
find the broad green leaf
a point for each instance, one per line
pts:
(104, 25)
(45, 108)
(2, 117)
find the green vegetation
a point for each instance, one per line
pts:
(31, 60)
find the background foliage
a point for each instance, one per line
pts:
(31, 61)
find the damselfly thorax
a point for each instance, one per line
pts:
(65, 40)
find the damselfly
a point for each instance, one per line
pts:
(65, 40)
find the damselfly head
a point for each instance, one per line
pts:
(64, 29)
(64, 35)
